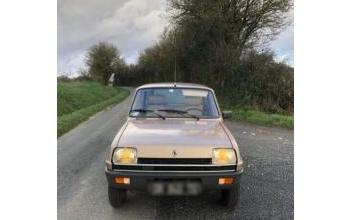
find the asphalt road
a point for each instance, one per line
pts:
(267, 190)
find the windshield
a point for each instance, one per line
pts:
(174, 102)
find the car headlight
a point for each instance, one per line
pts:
(224, 156)
(124, 155)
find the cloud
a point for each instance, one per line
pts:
(131, 25)
(283, 45)
(71, 63)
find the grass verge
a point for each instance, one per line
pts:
(66, 122)
(260, 117)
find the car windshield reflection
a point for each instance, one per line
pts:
(174, 102)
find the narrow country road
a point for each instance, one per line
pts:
(266, 188)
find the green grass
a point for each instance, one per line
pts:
(77, 101)
(259, 117)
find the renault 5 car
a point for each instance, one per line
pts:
(174, 143)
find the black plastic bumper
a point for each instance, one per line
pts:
(139, 180)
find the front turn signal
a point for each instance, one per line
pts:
(122, 180)
(226, 181)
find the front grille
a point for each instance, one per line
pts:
(174, 164)
(174, 160)
(173, 168)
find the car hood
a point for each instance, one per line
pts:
(159, 138)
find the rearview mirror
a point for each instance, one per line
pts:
(226, 114)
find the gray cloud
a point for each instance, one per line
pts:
(283, 45)
(131, 25)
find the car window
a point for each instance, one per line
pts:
(198, 102)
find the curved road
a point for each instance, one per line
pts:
(266, 188)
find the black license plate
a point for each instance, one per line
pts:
(174, 188)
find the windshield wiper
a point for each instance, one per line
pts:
(178, 112)
(148, 111)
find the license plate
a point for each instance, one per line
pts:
(174, 188)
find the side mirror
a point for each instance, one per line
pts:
(226, 114)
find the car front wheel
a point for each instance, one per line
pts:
(230, 197)
(117, 197)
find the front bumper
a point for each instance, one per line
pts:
(139, 180)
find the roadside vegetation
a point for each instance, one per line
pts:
(77, 101)
(249, 114)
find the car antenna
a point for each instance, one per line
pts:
(175, 69)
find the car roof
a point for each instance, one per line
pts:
(176, 85)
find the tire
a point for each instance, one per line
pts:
(230, 197)
(117, 197)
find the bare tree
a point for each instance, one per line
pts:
(240, 23)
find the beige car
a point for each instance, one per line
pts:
(174, 142)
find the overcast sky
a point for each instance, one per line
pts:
(131, 25)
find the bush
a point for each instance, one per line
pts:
(261, 83)
(63, 79)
